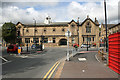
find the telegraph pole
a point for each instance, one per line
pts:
(106, 26)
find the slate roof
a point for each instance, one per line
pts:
(114, 25)
(45, 25)
(109, 25)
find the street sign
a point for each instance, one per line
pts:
(67, 33)
(101, 40)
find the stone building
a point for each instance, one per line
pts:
(114, 29)
(54, 32)
(111, 28)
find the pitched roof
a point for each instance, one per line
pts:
(108, 25)
(114, 25)
(43, 24)
(90, 20)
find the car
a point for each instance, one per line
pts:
(12, 48)
(35, 46)
(85, 45)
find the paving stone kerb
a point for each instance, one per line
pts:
(90, 68)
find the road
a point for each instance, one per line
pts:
(33, 66)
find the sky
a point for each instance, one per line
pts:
(59, 10)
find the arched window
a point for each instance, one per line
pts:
(88, 27)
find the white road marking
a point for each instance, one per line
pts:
(3, 58)
(97, 58)
(5, 62)
(82, 59)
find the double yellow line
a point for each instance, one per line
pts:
(50, 72)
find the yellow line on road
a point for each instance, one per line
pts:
(53, 71)
(50, 70)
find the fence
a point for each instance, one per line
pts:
(114, 52)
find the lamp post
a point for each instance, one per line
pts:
(27, 45)
(78, 30)
(87, 42)
(106, 26)
(34, 31)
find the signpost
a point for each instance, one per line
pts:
(68, 34)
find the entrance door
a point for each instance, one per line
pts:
(63, 42)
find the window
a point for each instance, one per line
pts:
(36, 40)
(88, 28)
(93, 38)
(27, 30)
(63, 30)
(53, 29)
(44, 30)
(89, 39)
(35, 30)
(27, 40)
(54, 40)
(83, 39)
(45, 40)
(72, 25)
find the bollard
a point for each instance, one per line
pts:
(19, 51)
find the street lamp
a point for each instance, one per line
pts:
(87, 42)
(106, 25)
(34, 31)
(78, 30)
(27, 45)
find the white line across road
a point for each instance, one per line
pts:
(3, 58)
(6, 61)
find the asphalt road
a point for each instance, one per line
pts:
(33, 66)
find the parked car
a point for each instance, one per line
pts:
(35, 46)
(12, 48)
(84, 46)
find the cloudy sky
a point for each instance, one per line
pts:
(60, 10)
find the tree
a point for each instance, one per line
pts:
(9, 32)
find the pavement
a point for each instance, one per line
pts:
(85, 65)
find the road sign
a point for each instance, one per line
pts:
(67, 33)
(101, 40)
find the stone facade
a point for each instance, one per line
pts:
(114, 29)
(54, 32)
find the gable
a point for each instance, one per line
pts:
(88, 19)
(20, 25)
